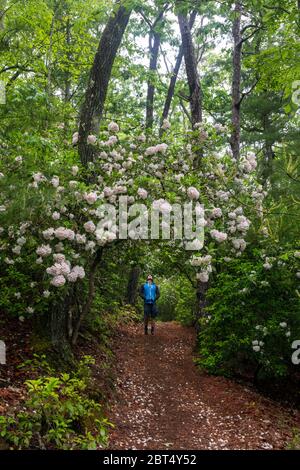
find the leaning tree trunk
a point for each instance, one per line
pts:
(196, 115)
(235, 139)
(195, 97)
(2, 13)
(154, 44)
(191, 69)
(100, 74)
(173, 79)
(132, 287)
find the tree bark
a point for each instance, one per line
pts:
(2, 13)
(133, 282)
(191, 69)
(67, 90)
(173, 79)
(58, 329)
(49, 64)
(100, 74)
(90, 295)
(51, 328)
(154, 44)
(269, 155)
(202, 288)
(235, 139)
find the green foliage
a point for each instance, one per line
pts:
(294, 444)
(186, 305)
(177, 300)
(57, 413)
(168, 300)
(252, 308)
(128, 314)
(38, 365)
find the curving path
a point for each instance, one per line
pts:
(163, 401)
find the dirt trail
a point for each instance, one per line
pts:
(163, 401)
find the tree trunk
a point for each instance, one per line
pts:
(58, 330)
(236, 82)
(202, 288)
(51, 329)
(67, 91)
(191, 69)
(154, 43)
(2, 13)
(49, 64)
(90, 295)
(269, 155)
(173, 79)
(133, 282)
(100, 74)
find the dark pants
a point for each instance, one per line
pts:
(150, 313)
(150, 310)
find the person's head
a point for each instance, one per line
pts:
(149, 278)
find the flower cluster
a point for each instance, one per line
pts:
(159, 148)
(218, 236)
(61, 271)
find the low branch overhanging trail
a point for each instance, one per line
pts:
(93, 105)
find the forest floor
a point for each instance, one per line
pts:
(163, 401)
(158, 398)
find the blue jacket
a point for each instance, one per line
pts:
(149, 292)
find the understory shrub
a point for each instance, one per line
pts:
(57, 414)
(253, 316)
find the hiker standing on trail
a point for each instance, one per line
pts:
(150, 293)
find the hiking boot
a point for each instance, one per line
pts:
(146, 330)
(152, 330)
